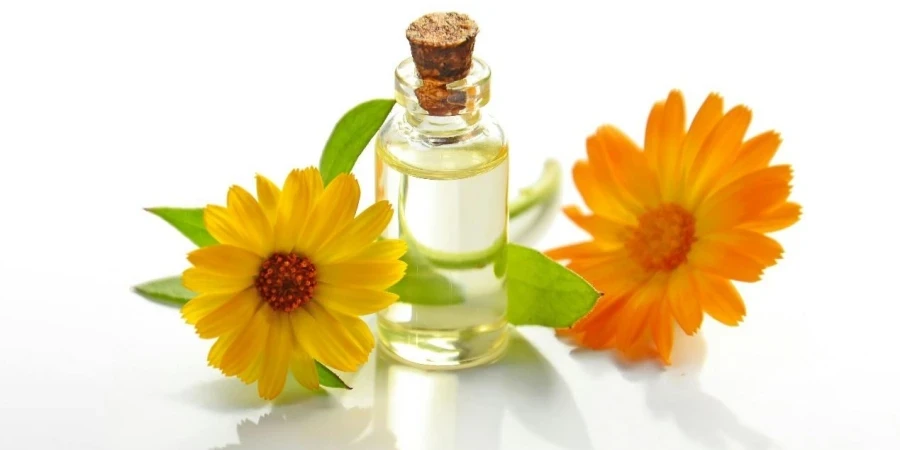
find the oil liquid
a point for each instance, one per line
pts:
(451, 206)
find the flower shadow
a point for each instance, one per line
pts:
(230, 394)
(466, 409)
(676, 394)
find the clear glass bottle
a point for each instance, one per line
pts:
(446, 175)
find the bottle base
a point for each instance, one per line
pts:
(442, 349)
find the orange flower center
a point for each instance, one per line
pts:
(662, 238)
(286, 281)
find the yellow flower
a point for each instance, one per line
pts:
(291, 273)
(673, 224)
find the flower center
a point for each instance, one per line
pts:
(286, 281)
(662, 238)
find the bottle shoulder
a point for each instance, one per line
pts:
(429, 153)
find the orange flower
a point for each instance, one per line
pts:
(673, 224)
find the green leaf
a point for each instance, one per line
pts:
(189, 221)
(351, 135)
(423, 285)
(167, 290)
(328, 378)
(543, 292)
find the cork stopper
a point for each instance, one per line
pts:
(442, 46)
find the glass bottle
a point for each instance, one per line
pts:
(445, 170)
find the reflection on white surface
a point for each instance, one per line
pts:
(410, 409)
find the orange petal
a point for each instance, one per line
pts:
(709, 114)
(711, 257)
(744, 200)
(670, 148)
(662, 329)
(717, 154)
(762, 249)
(598, 328)
(636, 315)
(653, 135)
(683, 300)
(599, 194)
(778, 218)
(612, 275)
(601, 229)
(720, 299)
(755, 154)
(638, 188)
(575, 251)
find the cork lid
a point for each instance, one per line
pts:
(441, 44)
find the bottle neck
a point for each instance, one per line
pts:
(449, 110)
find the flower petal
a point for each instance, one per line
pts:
(614, 155)
(226, 260)
(598, 328)
(249, 343)
(204, 282)
(758, 247)
(683, 300)
(706, 119)
(598, 194)
(755, 154)
(711, 257)
(217, 351)
(276, 358)
(720, 299)
(382, 249)
(744, 200)
(636, 314)
(303, 367)
(601, 229)
(653, 135)
(268, 194)
(717, 154)
(203, 304)
(332, 211)
(779, 218)
(670, 142)
(613, 274)
(223, 226)
(325, 339)
(251, 218)
(663, 332)
(302, 189)
(575, 251)
(362, 274)
(231, 316)
(353, 301)
(359, 233)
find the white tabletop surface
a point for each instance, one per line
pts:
(108, 107)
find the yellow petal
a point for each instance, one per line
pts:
(359, 233)
(353, 301)
(251, 217)
(333, 211)
(745, 200)
(218, 349)
(253, 372)
(601, 229)
(720, 299)
(325, 339)
(223, 226)
(359, 331)
(670, 142)
(268, 194)
(249, 343)
(778, 218)
(204, 282)
(706, 119)
(712, 257)
(231, 316)
(598, 193)
(276, 358)
(755, 154)
(683, 300)
(226, 260)
(383, 249)
(304, 369)
(203, 304)
(717, 153)
(362, 274)
(301, 190)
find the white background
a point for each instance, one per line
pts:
(108, 107)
